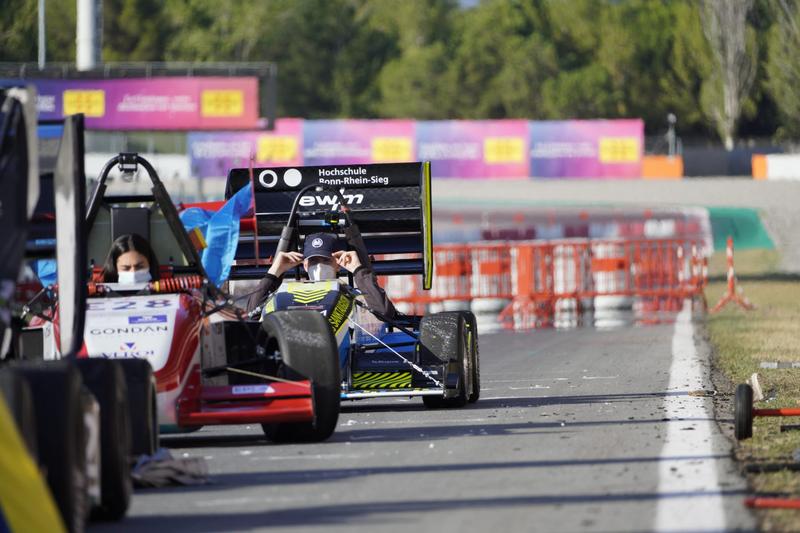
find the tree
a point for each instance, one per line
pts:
(18, 23)
(411, 86)
(689, 65)
(501, 60)
(413, 81)
(519, 85)
(19, 30)
(783, 66)
(134, 30)
(733, 50)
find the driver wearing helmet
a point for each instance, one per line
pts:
(323, 263)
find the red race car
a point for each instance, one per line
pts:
(212, 365)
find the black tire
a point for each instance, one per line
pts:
(743, 412)
(105, 379)
(444, 336)
(142, 405)
(61, 436)
(308, 351)
(475, 359)
(16, 391)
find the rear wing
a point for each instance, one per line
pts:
(390, 203)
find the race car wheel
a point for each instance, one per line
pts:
(475, 360)
(105, 379)
(142, 406)
(61, 436)
(743, 412)
(444, 335)
(308, 351)
(18, 396)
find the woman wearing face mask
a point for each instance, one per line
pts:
(322, 263)
(130, 260)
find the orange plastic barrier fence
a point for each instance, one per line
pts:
(662, 167)
(537, 278)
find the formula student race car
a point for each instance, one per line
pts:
(383, 209)
(71, 417)
(211, 364)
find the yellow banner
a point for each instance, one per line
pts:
(222, 103)
(277, 148)
(91, 103)
(498, 150)
(619, 150)
(392, 149)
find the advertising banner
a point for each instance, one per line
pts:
(213, 154)
(345, 142)
(167, 103)
(587, 148)
(474, 148)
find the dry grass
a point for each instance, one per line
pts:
(742, 340)
(748, 262)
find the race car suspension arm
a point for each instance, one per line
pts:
(219, 369)
(384, 318)
(405, 360)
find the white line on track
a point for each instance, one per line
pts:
(703, 507)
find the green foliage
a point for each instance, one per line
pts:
(134, 30)
(18, 30)
(783, 69)
(434, 59)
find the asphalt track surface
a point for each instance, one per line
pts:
(569, 435)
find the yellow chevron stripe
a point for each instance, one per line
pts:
(381, 380)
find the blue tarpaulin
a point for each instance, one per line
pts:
(221, 232)
(46, 271)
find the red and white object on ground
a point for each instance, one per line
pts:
(732, 294)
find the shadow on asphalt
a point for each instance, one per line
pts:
(521, 401)
(434, 433)
(379, 513)
(213, 441)
(318, 475)
(405, 433)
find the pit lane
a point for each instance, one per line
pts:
(569, 435)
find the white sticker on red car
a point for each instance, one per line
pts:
(132, 327)
(252, 389)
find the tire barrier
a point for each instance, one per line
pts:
(528, 284)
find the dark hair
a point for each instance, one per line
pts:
(127, 243)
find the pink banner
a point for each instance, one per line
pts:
(587, 148)
(344, 142)
(474, 148)
(213, 154)
(168, 103)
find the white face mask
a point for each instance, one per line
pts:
(131, 277)
(321, 272)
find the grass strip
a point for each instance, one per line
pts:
(741, 340)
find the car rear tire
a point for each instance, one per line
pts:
(105, 379)
(142, 405)
(308, 351)
(61, 436)
(475, 359)
(444, 336)
(18, 396)
(743, 412)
